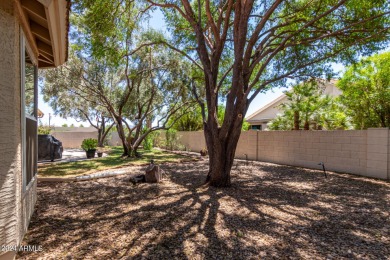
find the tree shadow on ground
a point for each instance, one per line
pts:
(271, 211)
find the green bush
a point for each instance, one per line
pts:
(44, 130)
(172, 140)
(159, 139)
(149, 140)
(148, 143)
(89, 144)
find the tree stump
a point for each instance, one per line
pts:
(153, 173)
(137, 179)
(203, 152)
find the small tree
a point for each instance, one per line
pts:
(303, 101)
(148, 141)
(190, 121)
(139, 83)
(284, 121)
(44, 130)
(366, 91)
(331, 116)
(307, 108)
(68, 96)
(172, 140)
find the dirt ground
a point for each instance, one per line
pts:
(270, 212)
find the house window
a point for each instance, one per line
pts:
(29, 88)
(28, 115)
(256, 127)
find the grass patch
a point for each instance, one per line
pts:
(112, 161)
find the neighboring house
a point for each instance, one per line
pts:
(40, 114)
(33, 35)
(259, 120)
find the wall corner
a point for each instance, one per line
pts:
(378, 153)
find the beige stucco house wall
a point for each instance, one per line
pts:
(42, 28)
(268, 112)
(10, 137)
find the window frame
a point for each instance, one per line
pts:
(24, 47)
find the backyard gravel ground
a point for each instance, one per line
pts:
(270, 212)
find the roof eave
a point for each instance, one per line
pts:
(57, 13)
(46, 25)
(265, 107)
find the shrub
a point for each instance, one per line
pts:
(44, 130)
(149, 140)
(89, 144)
(204, 152)
(172, 140)
(148, 143)
(159, 139)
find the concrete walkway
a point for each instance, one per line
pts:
(71, 155)
(96, 175)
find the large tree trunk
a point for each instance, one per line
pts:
(105, 132)
(101, 132)
(306, 126)
(221, 155)
(122, 136)
(220, 164)
(296, 120)
(100, 141)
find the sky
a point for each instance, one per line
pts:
(157, 22)
(54, 120)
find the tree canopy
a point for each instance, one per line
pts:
(68, 95)
(114, 72)
(192, 120)
(244, 47)
(366, 91)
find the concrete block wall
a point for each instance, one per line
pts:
(361, 152)
(16, 203)
(192, 141)
(388, 158)
(378, 155)
(343, 151)
(245, 147)
(73, 139)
